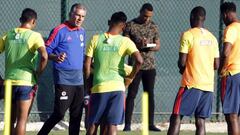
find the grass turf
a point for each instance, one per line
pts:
(127, 133)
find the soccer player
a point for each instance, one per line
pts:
(142, 31)
(198, 58)
(65, 47)
(230, 68)
(108, 51)
(22, 46)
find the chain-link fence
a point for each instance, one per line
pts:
(172, 17)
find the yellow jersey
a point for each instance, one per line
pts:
(201, 47)
(232, 35)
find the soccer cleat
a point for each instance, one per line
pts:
(127, 128)
(154, 128)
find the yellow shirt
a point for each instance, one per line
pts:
(232, 35)
(201, 47)
(127, 48)
(34, 42)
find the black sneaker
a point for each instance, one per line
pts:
(127, 128)
(154, 128)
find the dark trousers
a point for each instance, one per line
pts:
(66, 96)
(148, 81)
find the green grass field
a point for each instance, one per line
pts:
(127, 133)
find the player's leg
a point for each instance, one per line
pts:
(92, 129)
(114, 113)
(175, 123)
(200, 126)
(131, 95)
(175, 118)
(63, 99)
(185, 105)
(23, 107)
(231, 97)
(97, 106)
(203, 111)
(112, 130)
(148, 80)
(76, 110)
(233, 124)
(23, 104)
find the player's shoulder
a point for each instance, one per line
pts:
(95, 37)
(35, 34)
(125, 38)
(132, 22)
(153, 23)
(233, 26)
(188, 33)
(59, 28)
(210, 34)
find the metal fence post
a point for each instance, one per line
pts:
(218, 102)
(64, 5)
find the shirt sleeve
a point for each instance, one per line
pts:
(127, 47)
(35, 41)
(186, 42)
(91, 46)
(156, 33)
(53, 40)
(230, 35)
(2, 42)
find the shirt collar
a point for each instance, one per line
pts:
(70, 27)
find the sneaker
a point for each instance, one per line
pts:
(127, 128)
(154, 128)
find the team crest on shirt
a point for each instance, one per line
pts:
(81, 37)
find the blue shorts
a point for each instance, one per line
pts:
(193, 101)
(230, 94)
(24, 92)
(107, 108)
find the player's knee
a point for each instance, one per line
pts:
(232, 118)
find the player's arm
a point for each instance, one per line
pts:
(182, 62)
(216, 58)
(87, 66)
(130, 49)
(88, 62)
(136, 67)
(38, 45)
(138, 62)
(224, 55)
(43, 60)
(156, 40)
(157, 47)
(185, 46)
(216, 63)
(229, 37)
(87, 74)
(51, 43)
